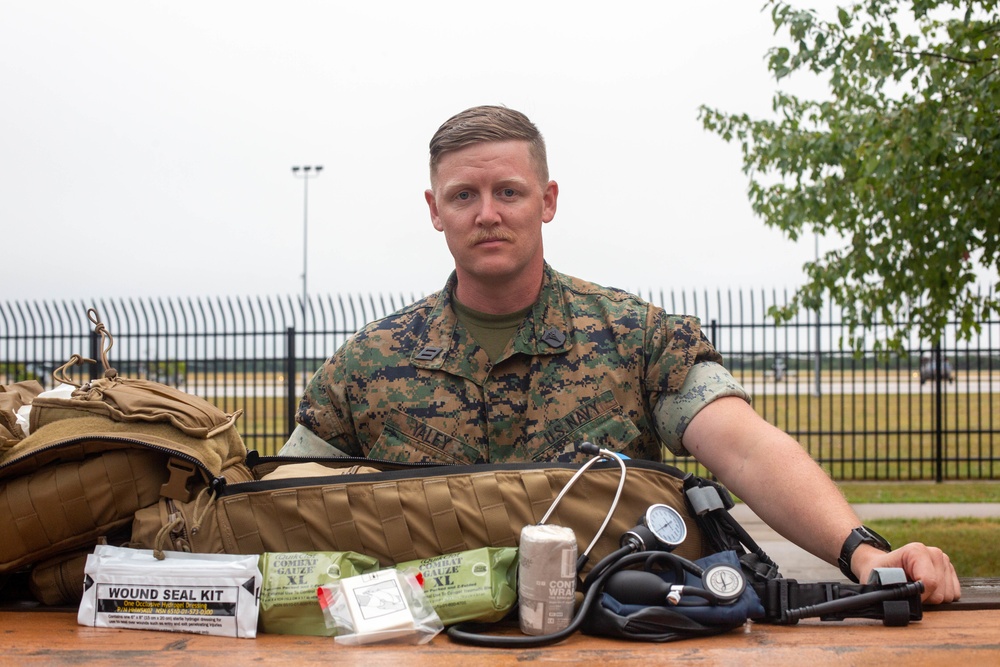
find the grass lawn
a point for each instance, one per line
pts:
(970, 543)
(890, 436)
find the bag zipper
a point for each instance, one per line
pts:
(409, 471)
(179, 540)
(213, 480)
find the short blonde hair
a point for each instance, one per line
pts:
(484, 124)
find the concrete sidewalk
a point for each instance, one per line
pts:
(794, 563)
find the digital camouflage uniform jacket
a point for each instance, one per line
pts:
(588, 363)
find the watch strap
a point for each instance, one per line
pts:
(860, 535)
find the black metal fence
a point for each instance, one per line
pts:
(929, 415)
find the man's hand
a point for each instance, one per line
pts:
(782, 484)
(920, 563)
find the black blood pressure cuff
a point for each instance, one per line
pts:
(692, 617)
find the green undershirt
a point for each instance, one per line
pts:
(492, 332)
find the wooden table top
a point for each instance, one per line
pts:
(944, 637)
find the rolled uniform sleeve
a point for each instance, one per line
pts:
(704, 383)
(303, 443)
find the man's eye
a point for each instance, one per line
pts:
(462, 196)
(508, 192)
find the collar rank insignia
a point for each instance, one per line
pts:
(554, 338)
(427, 353)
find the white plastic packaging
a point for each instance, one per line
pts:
(384, 607)
(23, 416)
(208, 594)
(546, 578)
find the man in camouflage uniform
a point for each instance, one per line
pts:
(513, 361)
(585, 364)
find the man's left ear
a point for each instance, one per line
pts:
(549, 198)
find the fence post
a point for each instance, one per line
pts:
(290, 392)
(818, 388)
(95, 354)
(938, 413)
(712, 328)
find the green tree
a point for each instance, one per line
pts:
(902, 160)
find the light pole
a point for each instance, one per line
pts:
(817, 390)
(305, 173)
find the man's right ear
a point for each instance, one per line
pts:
(432, 206)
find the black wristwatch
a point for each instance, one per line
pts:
(860, 535)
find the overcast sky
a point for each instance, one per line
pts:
(146, 147)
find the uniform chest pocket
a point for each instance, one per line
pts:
(600, 420)
(406, 439)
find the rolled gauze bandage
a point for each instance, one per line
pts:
(546, 578)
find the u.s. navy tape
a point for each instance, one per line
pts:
(208, 594)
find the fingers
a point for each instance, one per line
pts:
(934, 568)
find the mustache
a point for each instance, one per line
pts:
(493, 234)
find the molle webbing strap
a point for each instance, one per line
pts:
(494, 512)
(390, 512)
(71, 487)
(291, 519)
(124, 478)
(243, 526)
(69, 505)
(278, 520)
(307, 505)
(29, 534)
(540, 496)
(342, 526)
(444, 520)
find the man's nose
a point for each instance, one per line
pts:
(488, 213)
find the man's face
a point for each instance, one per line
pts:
(490, 202)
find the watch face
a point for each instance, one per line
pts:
(667, 524)
(874, 539)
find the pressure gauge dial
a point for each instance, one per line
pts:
(667, 525)
(724, 581)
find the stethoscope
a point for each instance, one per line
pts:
(649, 543)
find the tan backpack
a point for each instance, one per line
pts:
(92, 459)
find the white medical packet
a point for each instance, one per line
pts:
(208, 594)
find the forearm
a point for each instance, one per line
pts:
(769, 470)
